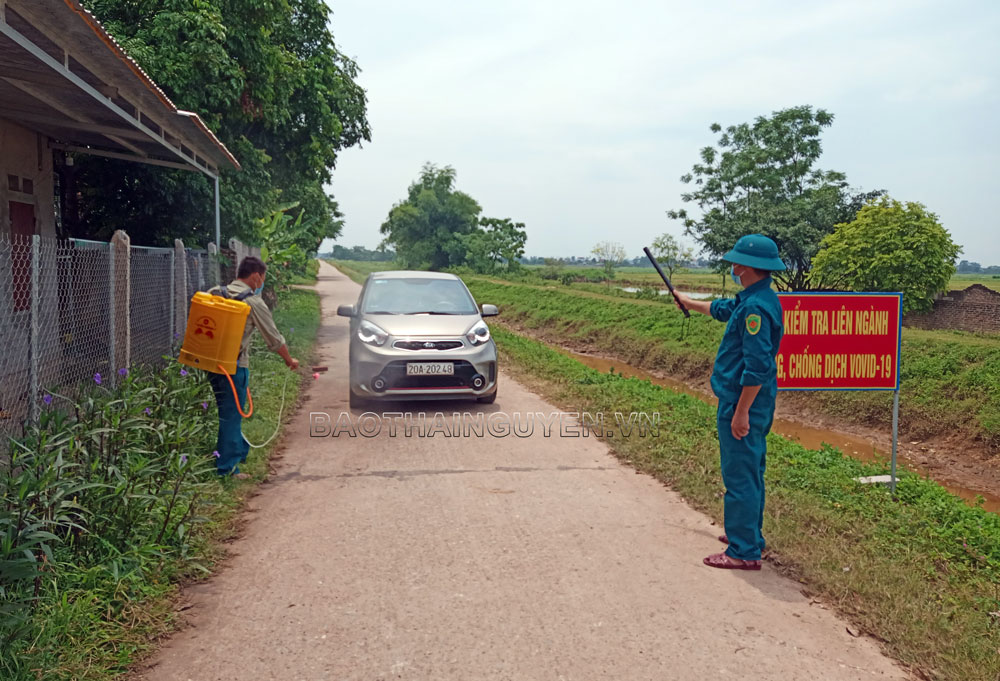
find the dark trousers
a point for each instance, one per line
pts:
(231, 445)
(743, 464)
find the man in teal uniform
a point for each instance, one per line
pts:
(745, 381)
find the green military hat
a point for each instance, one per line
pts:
(756, 250)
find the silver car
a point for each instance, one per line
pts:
(419, 335)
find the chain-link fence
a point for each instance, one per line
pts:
(150, 303)
(72, 309)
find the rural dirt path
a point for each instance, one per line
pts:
(485, 558)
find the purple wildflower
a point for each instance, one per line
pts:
(47, 399)
(123, 372)
(176, 335)
(97, 379)
(184, 372)
(147, 411)
(291, 329)
(184, 459)
(204, 405)
(216, 453)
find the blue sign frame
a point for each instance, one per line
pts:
(899, 339)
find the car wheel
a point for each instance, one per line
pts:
(488, 399)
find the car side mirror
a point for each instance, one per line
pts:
(345, 311)
(490, 310)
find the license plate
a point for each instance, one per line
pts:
(430, 368)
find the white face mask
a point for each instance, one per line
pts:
(732, 273)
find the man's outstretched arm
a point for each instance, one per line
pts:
(260, 314)
(702, 306)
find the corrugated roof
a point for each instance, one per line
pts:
(99, 60)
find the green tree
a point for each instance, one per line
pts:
(361, 253)
(761, 179)
(670, 253)
(427, 228)
(611, 255)
(890, 246)
(268, 79)
(496, 246)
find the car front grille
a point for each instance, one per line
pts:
(395, 377)
(427, 345)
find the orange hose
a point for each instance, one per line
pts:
(236, 398)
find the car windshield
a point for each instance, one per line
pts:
(418, 296)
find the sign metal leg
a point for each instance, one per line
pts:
(895, 439)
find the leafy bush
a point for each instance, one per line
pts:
(106, 484)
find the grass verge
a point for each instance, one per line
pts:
(94, 613)
(357, 270)
(950, 380)
(920, 573)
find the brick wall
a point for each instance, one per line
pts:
(977, 308)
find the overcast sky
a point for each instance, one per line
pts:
(578, 118)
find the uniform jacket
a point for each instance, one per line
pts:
(750, 343)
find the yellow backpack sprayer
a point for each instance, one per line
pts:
(212, 342)
(213, 336)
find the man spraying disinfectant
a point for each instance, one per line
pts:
(232, 446)
(744, 379)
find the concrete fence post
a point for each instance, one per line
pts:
(213, 266)
(181, 286)
(239, 252)
(121, 296)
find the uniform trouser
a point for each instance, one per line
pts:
(743, 463)
(231, 445)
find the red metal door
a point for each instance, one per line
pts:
(22, 227)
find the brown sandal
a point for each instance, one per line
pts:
(724, 562)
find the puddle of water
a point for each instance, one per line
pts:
(697, 295)
(811, 438)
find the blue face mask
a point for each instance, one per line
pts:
(260, 289)
(732, 273)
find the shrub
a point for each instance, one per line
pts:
(108, 481)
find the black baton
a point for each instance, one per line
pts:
(670, 287)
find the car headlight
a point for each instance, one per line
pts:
(371, 334)
(478, 334)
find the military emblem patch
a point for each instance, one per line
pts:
(753, 324)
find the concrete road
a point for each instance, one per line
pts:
(485, 558)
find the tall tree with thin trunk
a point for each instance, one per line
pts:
(761, 178)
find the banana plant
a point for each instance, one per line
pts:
(284, 241)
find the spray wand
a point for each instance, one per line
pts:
(239, 408)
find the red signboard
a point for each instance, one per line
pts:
(840, 341)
